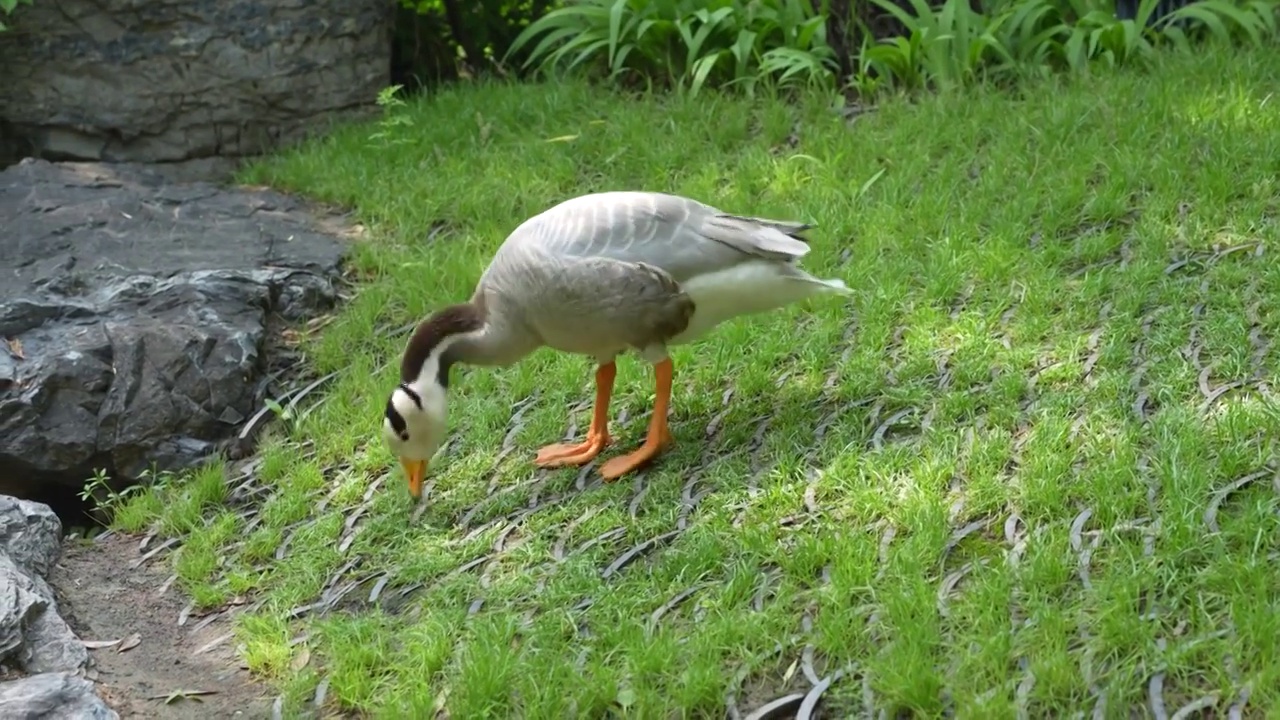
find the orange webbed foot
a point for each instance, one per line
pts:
(564, 454)
(659, 437)
(636, 459)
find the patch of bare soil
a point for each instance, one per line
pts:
(160, 668)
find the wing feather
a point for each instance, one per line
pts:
(682, 236)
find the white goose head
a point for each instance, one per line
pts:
(416, 419)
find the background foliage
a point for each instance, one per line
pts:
(853, 45)
(438, 40)
(7, 7)
(686, 42)
(858, 45)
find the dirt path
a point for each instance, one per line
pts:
(103, 597)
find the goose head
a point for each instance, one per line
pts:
(415, 422)
(414, 427)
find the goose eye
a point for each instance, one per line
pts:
(404, 436)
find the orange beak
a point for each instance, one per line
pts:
(414, 471)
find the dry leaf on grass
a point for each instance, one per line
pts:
(99, 644)
(129, 643)
(301, 659)
(170, 698)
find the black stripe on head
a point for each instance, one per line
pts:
(397, 421)
(413, 395)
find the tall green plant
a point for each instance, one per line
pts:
(685, 42)
(1098, 35)
(1083, 32)
(951, 45)
(1254, 21)
(436, 40)
(945, 47)
(8, 6)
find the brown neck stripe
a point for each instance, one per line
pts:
(444, 323)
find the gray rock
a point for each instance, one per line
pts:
(137, 316)
(32, 633)
(30, 535)
(52, 696)
(170, 80)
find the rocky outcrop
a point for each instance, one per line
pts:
(31, 631)
(170, 80)
(134, 322)
(33, 636)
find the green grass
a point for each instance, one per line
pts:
(951, 497)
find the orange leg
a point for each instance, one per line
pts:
(659, 436)
(562, 454)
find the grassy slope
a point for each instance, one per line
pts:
(952, 478)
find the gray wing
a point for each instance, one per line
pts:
(596, 305)
(681, 236)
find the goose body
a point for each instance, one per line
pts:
(599, 275)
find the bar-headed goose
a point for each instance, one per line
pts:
(598, 275)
